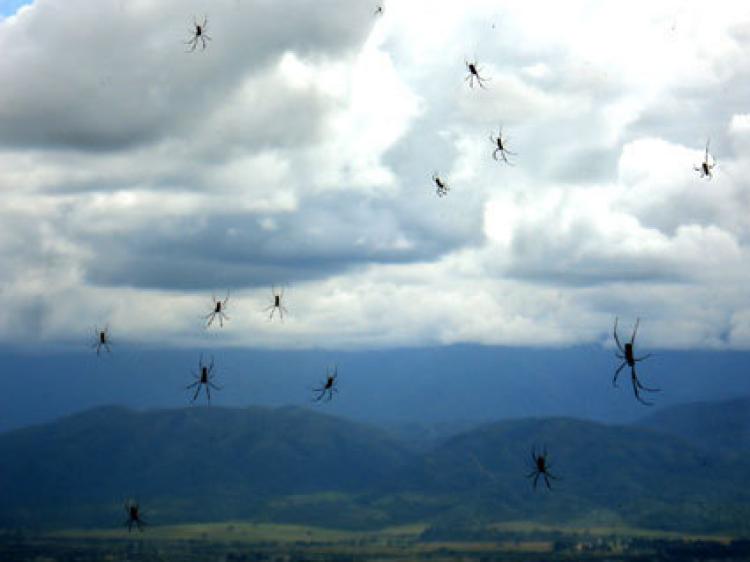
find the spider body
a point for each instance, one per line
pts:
(441, 188)
(627, 355)
(198, 35)
(328, 387)
(217, 311)
(706, 167)
(204, 378)
(134, 517)
(500, 148)
(101, 340)
(540, 467)
(474, 71)
(277, 304)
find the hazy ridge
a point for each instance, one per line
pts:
(297, 466)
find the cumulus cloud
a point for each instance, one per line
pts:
(298, 147)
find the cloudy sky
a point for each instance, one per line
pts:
(136, 179)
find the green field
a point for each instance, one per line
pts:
(237, 541)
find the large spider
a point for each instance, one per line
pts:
(628, 358)
(328, 387)
(134, 516)
(276, 303)
(474, 74)
(705, 168)
(101, 340)
(540, 467)
(218, 311)
(205, 377)
(500, 148)
(441, 188)
(199, 34)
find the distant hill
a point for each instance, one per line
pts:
(213, 462)
(723, 426)
(296, 466)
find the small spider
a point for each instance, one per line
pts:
(218, 311)
(379, 11)
(205, 377)
(327, 388)
(629, 359)
(474, 73)
(134, 517)
(442, 188)
(276, 303)
(199, 34)
(101, 340)
(540, 467)
(500, 148)
(705, 168)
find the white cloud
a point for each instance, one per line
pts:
(136, 178)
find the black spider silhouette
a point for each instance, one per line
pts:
(441, 188)
(379, 11)
(276, 303)
(629, 359)
(705, 168)
(218, 311)
(327, 387)
(134, 517)
(101, 340)
(540, 467)
(474, 70)
(199, 34)
(500, 149)
(205, 377)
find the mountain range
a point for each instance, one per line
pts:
(680, 469)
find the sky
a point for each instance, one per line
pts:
(137, 179)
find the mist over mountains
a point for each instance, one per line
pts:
(456, 385)
(294, 465)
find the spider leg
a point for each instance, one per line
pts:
(197, 390)
(208, 393)
(617, 339)
(634, 380)
(617, 373)
(635, 330)
(643, 358)
(192, 385)
(638, 383)
(536, 478)
(494, 153)
(546, 481)
(215, 386)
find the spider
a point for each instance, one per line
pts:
(500, 148)
(474, 73)
(442, 188)
(205, 377)
(629, 359)
(276, 303)
(218, 310)
(379, 11)
(705, 168)
(199, 34)
(540, 467)
(327, 388)
(134, 516)
(101, 340)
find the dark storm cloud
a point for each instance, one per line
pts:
(98, 78)
(327, 236)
